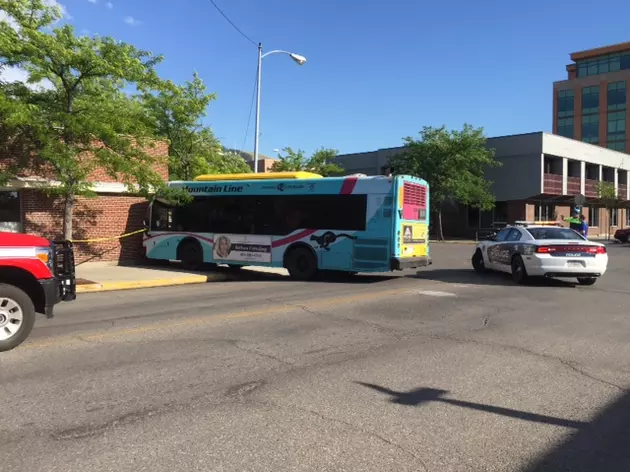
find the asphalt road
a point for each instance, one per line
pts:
(441, 371)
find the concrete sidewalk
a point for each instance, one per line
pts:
(97, 277)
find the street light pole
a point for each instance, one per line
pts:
(258, 83)
(299, 60)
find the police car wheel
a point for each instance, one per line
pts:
(477, 261)
(519, 273)
(587, 280)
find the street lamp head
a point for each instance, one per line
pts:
(299, 60)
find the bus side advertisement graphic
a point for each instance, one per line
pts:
(242, 248)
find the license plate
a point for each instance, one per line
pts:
(575, 264)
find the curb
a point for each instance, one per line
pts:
(138, 284)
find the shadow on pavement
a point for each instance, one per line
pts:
(469, 276)
(602, 445)
(338, 278)
(248, 275)
(423, 395)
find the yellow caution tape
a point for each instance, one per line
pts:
(99, 240)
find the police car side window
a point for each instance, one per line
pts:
(515, 235)
(503, 234)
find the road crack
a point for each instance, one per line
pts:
(564, 362)
(351, 426)
(377, 327)
(255, 352)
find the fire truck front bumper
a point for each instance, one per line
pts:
(50, 288)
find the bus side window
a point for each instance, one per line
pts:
(162, 217)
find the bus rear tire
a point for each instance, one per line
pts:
(301, 264)
(190, 253)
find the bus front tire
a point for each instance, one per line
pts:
(301, 264)
(190, 253)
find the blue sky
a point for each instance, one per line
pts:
(376, 72)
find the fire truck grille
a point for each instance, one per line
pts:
(64, 269)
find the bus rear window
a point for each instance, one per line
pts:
(414, 201)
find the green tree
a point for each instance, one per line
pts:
(607, 195)
(453, 163)
(227, 162)
(16, 134)
(177, 113)
(83, 120)
(321, 162)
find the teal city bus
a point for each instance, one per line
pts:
(301, 221)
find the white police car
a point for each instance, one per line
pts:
(541, 251)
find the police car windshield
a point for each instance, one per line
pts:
(554, 233)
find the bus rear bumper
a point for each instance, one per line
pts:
(401, 263)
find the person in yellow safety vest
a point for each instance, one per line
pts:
(575, 223)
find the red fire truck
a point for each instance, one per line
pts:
(35, 275)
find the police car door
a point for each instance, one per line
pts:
(494, 248)
(511, 246)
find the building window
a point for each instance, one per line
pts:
(10, 212)
(617, 146)
(614, 216)
(617, 96)
(616, 136)
(627, 216)
(545, 212)
(565, 103)
(500, 213)
(590, 99)
(603, 64)
(593, 216)
(565, 127)
(590, 128)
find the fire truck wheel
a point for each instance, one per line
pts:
(17, 316)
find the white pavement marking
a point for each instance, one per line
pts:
(435, 293)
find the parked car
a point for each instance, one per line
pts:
(541, 251)
(622, 235)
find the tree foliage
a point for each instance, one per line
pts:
(177, 113)
(321, 162)
(453, 163)
(82, 120)
(607, 195)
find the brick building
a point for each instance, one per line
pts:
(264, 162)
(25, 207)
(590, 105)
